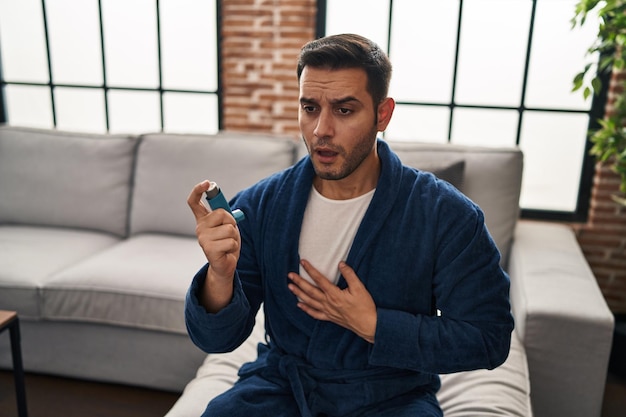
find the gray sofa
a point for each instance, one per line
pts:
(97, 249)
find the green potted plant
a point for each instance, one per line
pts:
(609, 140)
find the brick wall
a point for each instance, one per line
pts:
(603, 237)
(261, 40)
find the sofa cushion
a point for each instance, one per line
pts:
(168, 166)
(54, 178)
(452, 170)
(30, 255)
(492, 179)
(141, 282)
(504, 391)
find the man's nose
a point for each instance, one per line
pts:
(325, 125)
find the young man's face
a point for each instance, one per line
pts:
(339, 122)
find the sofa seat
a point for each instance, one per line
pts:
(504, 391)
(109, 312)
(141, 282)
(30, 255)
(108, 353)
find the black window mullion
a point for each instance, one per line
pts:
(160, 64)
(320, 26)
(522, 108)
(105, 87)
(218, 37)
(111, 87)
(3, 107)
(50, 80)
(455, 70)
(390, 22)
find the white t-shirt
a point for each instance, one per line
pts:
(328, 230)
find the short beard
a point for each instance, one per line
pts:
(351, 161)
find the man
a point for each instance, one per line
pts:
(374, 277)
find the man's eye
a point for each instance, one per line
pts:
(308, 109)
(344, 111)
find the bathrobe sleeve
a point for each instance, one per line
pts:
(223, 331)
(231, 326)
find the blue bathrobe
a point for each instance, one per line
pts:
(425, 255)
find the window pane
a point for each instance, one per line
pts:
(134, 112)
(484, 127)
(131, 55)
(189, 44)
(554, 146)
(422, 50)
(494, 39)
(371, 22)
(558, 54)
(420, 123)
(190, 113)
(75, 48)
(29, 106)
(23, 41)
(80, 109)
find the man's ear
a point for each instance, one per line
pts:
(385, 110)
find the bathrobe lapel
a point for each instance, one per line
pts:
(378, 211)
(281, 240)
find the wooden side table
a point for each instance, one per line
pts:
(9, 320)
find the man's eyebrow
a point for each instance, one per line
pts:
(341, 100)
(345, 100)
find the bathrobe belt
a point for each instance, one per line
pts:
(335, 391)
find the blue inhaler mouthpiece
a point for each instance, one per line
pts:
(216, 200)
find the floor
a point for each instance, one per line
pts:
(614, 397)
(59, 397)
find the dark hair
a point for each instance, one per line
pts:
(350, 51)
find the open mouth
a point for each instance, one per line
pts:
(326, 155)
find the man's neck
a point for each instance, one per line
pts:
(360, 182)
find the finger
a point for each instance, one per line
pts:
(221, 216)
(309, 296)
(215, 227)
(222, 248)
(303, 289)
(349, 275)
(322, 282)
(218, 243)
(195, 200)
(316, 314)
(217, 232)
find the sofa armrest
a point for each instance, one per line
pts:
(561, 318)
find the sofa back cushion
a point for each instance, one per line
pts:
(492, 178)
(53, 178)
(169, 165)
